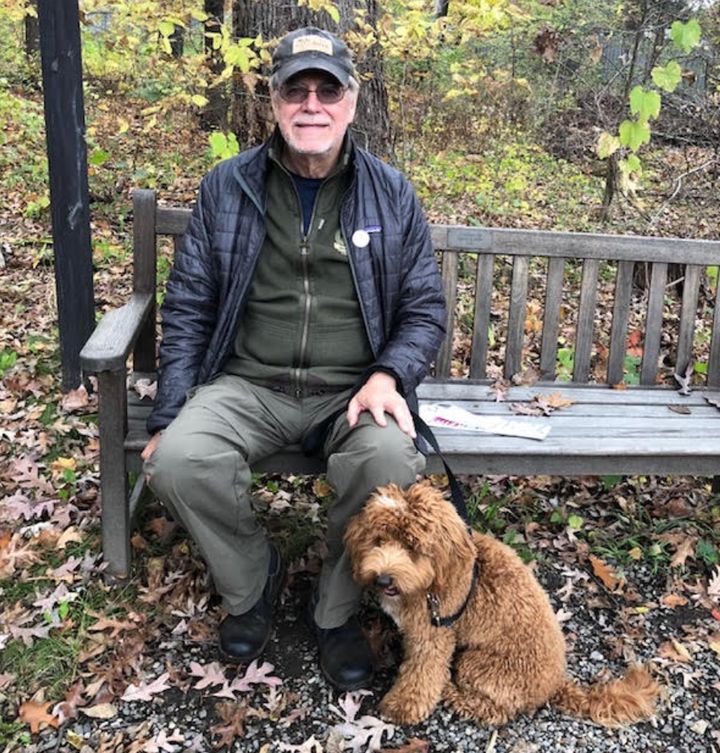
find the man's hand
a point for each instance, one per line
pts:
(379, 395)
(150, 446)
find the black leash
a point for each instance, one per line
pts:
(457, 496)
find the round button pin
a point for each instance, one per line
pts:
(361, 238)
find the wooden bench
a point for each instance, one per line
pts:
(512, 295)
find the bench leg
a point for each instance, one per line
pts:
(113, 476)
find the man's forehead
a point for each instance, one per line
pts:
(312, 77)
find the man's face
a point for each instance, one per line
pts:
(311, 127)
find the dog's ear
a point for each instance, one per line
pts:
(440, 533)
(355, 535)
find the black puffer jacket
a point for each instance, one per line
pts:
(396, 276)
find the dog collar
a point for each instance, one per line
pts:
(434, 603)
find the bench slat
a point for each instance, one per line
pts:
(450, 281)
(516, 242)
(714, 363)
(688, 313)
(585, 321)
(551, 317)
(620, 317)
(653, 323)
(458, 389)
(481, 316)
(516, 317)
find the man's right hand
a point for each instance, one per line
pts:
(146, 454)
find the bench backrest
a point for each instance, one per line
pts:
(626, 304)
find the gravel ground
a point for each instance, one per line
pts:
(602, 636)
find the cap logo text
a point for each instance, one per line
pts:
(311, 43)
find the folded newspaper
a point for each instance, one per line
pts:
(453, 417)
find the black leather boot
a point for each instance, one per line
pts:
(243, 637)
(345, 657)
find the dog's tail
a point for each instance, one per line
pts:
(613, 704)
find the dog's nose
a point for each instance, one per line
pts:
(383, 581)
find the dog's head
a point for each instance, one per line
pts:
(408, 542)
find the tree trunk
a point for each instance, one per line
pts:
(441, 8)
(32, 32)
(214, 115)
(251, 117)
(177, 42)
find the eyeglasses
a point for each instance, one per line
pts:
(327, 94)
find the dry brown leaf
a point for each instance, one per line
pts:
(321, 488)
(685, 549)
(556, 400)
(235, 716)
(74, 400)
(36, 715)
(69, 535)
(100, 711)
(604, 572)
(674, 651)
(674, 600)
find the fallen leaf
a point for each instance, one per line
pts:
(674, 600)
(713, 588)
(145, 388)
(74, 400)
(69, 535)
(321, 488)
(235, 716)
(683, 410)
(63, 464)
(604, 572)
(685, 549)
(674, 651)
(146, 691)
(36, 715)
(100, 711)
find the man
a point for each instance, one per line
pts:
(305, 288)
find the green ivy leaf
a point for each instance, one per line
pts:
(166, 28)
(634, 134)
(632, 164)
(575, 522)
(669, 77)
(686, 36)
(645, 104)
(98, 157)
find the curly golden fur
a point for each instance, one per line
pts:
(505, 654)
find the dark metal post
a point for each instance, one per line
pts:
(67, 163)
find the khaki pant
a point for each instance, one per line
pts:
(201, 471)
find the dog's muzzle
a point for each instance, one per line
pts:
(385, 584)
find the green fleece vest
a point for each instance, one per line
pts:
(302, 329)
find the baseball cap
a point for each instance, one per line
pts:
(311, 48)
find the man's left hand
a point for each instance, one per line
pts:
(379, 395)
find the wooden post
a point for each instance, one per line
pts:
(67, 164)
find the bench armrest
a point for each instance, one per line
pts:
(109, 346)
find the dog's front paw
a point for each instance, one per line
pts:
(402, 709)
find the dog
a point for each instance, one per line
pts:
(479, 633)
